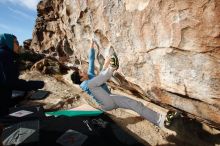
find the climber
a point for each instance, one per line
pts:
(97, 88)
(9, 50)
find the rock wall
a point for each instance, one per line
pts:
(168, 44)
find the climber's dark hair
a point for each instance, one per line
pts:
(75, 77)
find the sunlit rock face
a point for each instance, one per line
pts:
(172, 45)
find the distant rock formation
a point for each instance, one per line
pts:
(170, 49)
(27, 43)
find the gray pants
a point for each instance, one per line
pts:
(110, 101)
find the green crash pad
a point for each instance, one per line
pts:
(71, 113)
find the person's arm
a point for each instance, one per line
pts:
(16, 84)
(91, 69)
(20, 84)
(27, 85)
(2, 76)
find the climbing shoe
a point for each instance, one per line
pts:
(171, 115)
(114, 63)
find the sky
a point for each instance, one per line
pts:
(18, 17)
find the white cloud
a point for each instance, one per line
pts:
(20, 13)
(30, 4)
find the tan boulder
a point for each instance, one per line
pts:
(171, 45)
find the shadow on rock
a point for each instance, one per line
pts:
(191, 132)
(131, 120)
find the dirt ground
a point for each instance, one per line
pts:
(183, 131)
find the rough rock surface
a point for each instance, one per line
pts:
(67, 96)
(171, 45)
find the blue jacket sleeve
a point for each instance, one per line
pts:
(91, 69)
